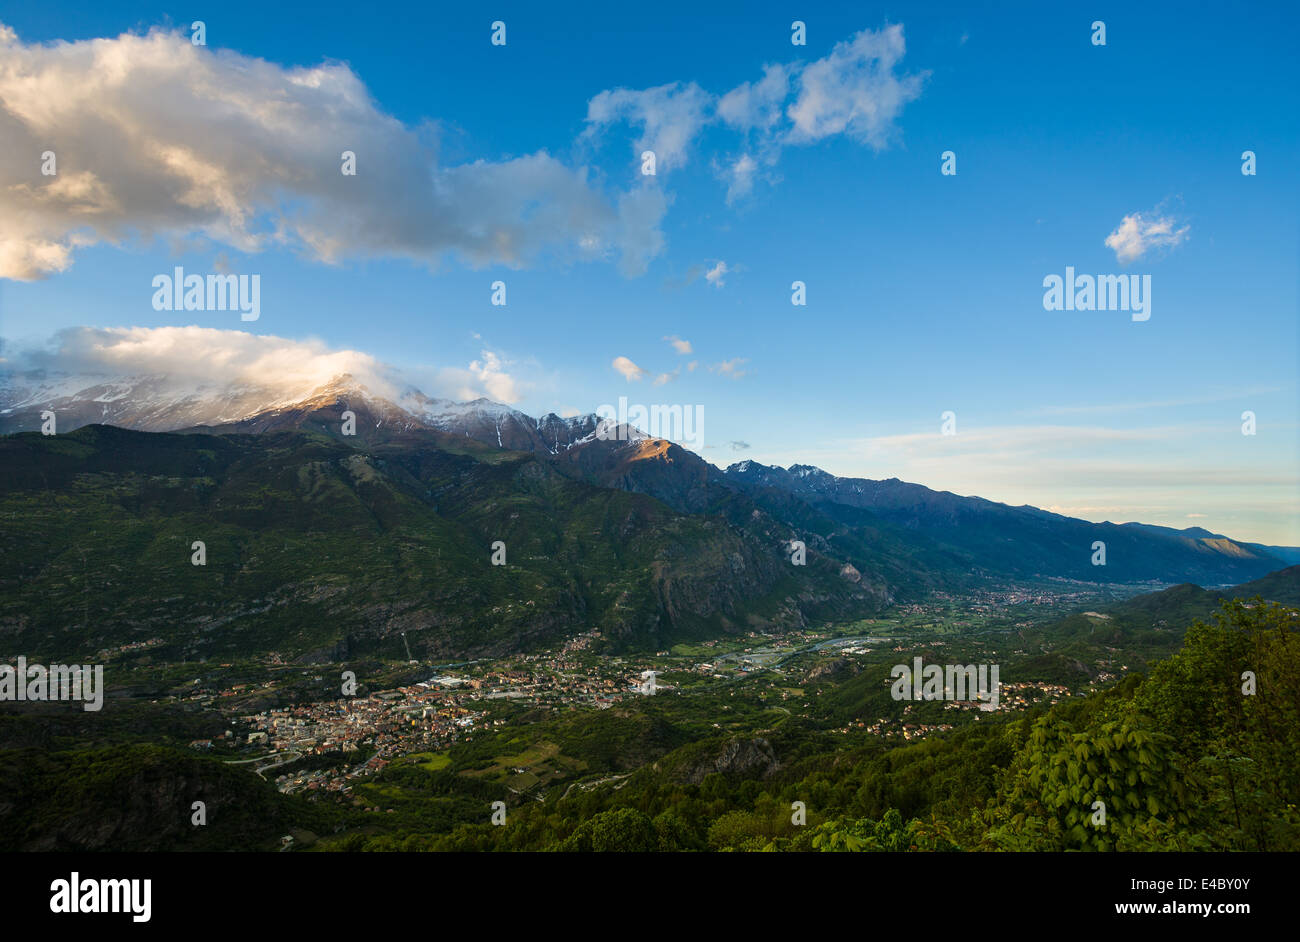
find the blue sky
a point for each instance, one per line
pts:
(924, 291)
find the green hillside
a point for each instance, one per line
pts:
(1181, 759)
(315, 548)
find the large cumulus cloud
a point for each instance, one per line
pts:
(154, 136)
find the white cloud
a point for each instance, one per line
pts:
(157, 138)
(854, 90)
(716, 274)
(489, 373)
(757, 104)
(683, 347)
(629, 369)
(192, 357)
(664, 378)
(205, 355)
(1140, 232)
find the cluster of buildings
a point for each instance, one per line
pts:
(128, 648)
(427, 716)
(450, 706)
(886, 728)
(1020, 696)
(391, 723)
(1012, 696)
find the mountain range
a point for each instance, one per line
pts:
(318, 539)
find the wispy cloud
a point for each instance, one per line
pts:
(683, 347)
(730, 368)
(857, 90)
(1150, 404)
(758, 105)
(670, 117)
(739, 173)
(1004, 443)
